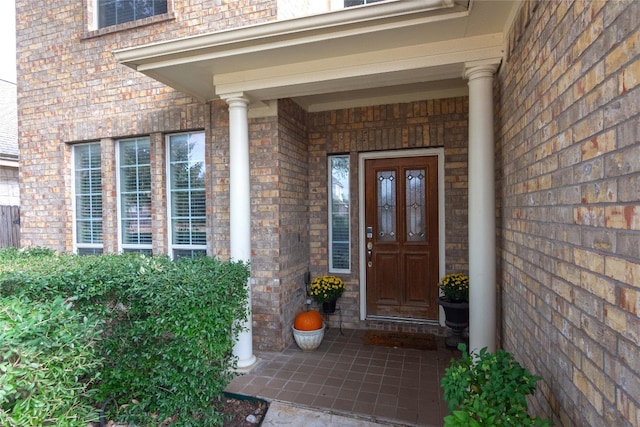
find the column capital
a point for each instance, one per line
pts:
(235, 98)
(478, 69)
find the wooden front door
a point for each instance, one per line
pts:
(401, 237)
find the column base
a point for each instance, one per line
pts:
(247, 365)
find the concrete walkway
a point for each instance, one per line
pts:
(285, 414)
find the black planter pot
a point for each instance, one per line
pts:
(329, 307)
(457, 318)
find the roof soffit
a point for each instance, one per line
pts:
(403, 43)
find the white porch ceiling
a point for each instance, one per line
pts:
(394, 51)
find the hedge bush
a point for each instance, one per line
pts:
(166, 345)
(48, 363)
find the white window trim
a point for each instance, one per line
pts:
(74, 231)
(123, 247)
(92, 19)
(330, 213)
(170, 244)
(339, 4)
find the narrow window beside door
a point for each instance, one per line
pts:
(339, 210)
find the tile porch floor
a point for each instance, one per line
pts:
(386, 384)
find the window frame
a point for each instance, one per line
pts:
(331, 213)
(174, 247)
(91, 18)
(93, 247)
(95, 12)
(132, 247)
(364, 3)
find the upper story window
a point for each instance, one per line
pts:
(350, 3)
(88, 198)
(113, 12)
(288, 9)
(187, 191)
(134, 195)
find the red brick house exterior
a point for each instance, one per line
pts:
(566, 144)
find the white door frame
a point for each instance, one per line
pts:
(439, 152)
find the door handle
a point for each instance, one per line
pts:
(369, 254)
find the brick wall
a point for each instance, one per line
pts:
(433, 123)
(293, 172)
(71, 88)
(279, 245)
(218, 156)
(568, 170)
(267, 283)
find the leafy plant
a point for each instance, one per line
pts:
(48, 364)
(488, 389)
(169, 349)
(165, 347)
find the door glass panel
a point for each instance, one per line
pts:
(415, 205)
(386, 196)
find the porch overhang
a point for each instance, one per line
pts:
(394, 51)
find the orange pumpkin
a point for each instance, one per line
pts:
(308, 321)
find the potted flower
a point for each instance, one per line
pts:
(455, 302)
(455, 287)
(326, 290)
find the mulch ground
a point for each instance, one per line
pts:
(238, 412)
(240, 409)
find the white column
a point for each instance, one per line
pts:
(240, 210)
(482, 220)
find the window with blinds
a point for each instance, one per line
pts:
(113, 12)
(350, 3)
(187, 204)
(88, 198)
(134, 195)
(339, 210)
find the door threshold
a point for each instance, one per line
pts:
(410, 320)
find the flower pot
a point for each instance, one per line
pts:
(457, 318)
(308, 340)
(329, 307)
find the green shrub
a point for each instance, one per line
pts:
(167, 343)
(488, 389)
(170, 349)
(48, 364)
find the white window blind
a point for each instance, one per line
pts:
(88, 198)
(350, 3)
(339, 212)
(134, 187)
(187, 207)
(113, 12)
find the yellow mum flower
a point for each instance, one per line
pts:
(326, 288)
